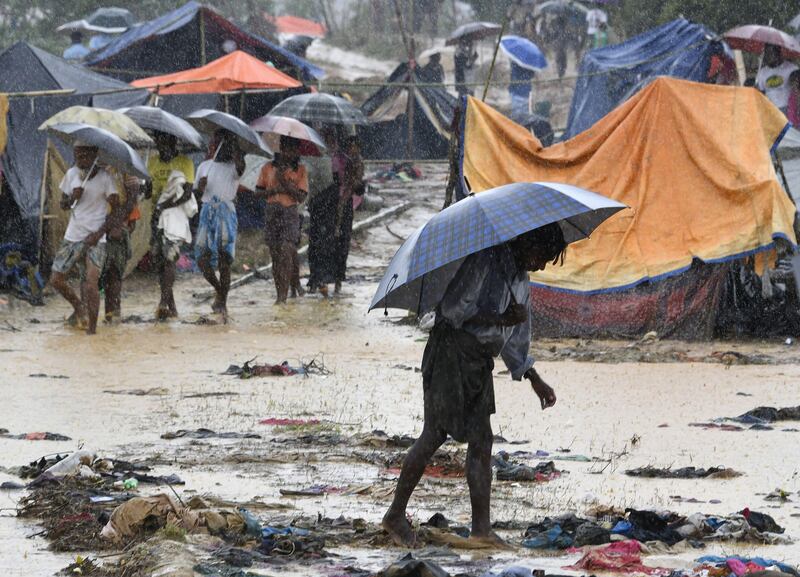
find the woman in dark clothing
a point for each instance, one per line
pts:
(348, 173)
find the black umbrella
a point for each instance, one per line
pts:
(152, 118)
(319, 107)
(112, 150)
(473, 31)
(209, 121)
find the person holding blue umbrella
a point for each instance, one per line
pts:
(470, 265)
(526, 58)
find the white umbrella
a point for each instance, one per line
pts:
(285, 126)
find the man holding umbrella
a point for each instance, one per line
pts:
(469, 264)
(773, 77)
(88, 190)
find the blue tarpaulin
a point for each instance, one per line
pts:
(185, 38)
(610, 75)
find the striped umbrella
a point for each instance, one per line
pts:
(319, 107)
(420, 271)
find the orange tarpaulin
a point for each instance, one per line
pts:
(297, 25)
(691, 160)
(233, 72)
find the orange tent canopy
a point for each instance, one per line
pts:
(297, 25)
(233, 72)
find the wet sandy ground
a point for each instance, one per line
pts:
(601, 408)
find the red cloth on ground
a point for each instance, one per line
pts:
(621, 557)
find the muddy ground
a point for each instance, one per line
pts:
(623, 404)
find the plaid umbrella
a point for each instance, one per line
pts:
(428, 260)
(209, 121)
(152, 118)
(319, 107)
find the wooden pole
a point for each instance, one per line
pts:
(412, 73)
(202, 38)
(494, 57)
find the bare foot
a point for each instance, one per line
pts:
(162, 313)
(400, 530)
(337, 288)
(323, 290)
(217, 306)
(491, 541)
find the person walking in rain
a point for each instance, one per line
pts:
(118, 243)
(464, 60)
(485, 313)
(89, 191)
(215, 246)
(773, 77)
(165, 250)
(284, 183)
(348, 173)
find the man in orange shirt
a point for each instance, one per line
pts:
(284, 183)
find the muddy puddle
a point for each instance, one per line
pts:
(118, 393)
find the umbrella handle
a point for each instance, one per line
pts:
(389, 288)
(85, 180)
(216, 152)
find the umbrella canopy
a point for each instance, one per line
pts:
(426, 263)
(209, 121)
(473, 31)
(234, 72)
(297, 26)
(319, 107)
(795, 22)
(110, 120)
(523, 52)
(152, 118)
(560, 7)
(753, 38)
(312, 144)
(112, 150)
(103, 21)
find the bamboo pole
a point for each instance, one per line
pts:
(494, 57)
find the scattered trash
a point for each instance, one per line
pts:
(408, 566)
(211, 395)
(249, 370)
(621, 558)
(46, 376)
(312, 491)
(778, 495)
(683, 473)
(155, 391)
(207, 434)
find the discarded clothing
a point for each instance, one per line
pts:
(409, 567)
(207, 434)
(564, 532)
(623, 557)
(380, 439)
(248, 371)
(38, 436)
(760, 561)
(769, 415)
(683, 473)
(552, 538)
(761, 521)
(510, 471)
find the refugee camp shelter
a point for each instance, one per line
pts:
(296, 26)
(610, 75)
(387, 109)
(693, 162)
(189, 37)
(27, 68)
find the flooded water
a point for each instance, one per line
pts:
(632, 414)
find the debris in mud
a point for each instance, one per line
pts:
(249, 370)
(46, 376)
(507, 470)
(312, 491)
(211, 395)
(380, 439)
(444, 464)
(202, 320)
(11, 486)
(622, 558)
(278, 422)
(154, 391)
(408, 566)
(779, 495)
(35, 436)
(683, 473)
(207, 434)
(768, 415)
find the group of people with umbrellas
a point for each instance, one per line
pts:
(126, 155)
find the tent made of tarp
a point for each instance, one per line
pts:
(189, 37)
(26, 68)
(693, 161)
(387, 109)
(233, 72)
(297, 26)
(608, 76)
